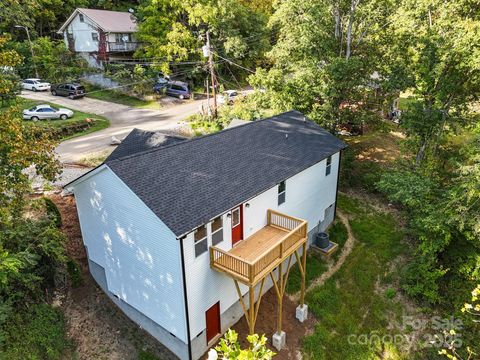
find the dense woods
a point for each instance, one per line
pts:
(344, 63)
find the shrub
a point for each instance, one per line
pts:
(74, 273)
(36, 334)
(52, 212)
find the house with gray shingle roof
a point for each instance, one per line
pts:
(169, 222)
(100, 35)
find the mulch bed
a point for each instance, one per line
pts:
(267, 324)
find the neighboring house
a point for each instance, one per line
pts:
(100, 35)
(168, 222)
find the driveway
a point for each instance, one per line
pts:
(122, 120)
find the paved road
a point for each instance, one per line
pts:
(122, 120)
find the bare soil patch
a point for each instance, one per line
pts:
(267, 324)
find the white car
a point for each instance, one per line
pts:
(228, 97)
(43, 112)
(35, 85)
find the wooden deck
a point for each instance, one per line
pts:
(259, 243)
(255, 257)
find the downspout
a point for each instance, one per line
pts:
(185, 300)
(338, 180)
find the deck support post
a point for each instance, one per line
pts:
(251, 310)
(304, 272)
(280, 298)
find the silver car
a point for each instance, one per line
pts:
(43, 112)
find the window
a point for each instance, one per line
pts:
(235, 217)
(281, 192)
(94, 36)
(80, 16)
(121, 38)
(217, 231)
(201, 244)
(329, 166)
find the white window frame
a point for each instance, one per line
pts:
(220, 230)
(282, 195)
(200, 242)
(81, 18)
(328, 168)
(239, 217)
(94, 36)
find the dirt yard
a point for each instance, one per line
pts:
(98, 328)
(267, 324)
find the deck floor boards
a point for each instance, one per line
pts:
(258, 243)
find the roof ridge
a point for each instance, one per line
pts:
(189, 140)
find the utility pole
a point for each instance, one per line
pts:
(212, 74)
(31, 47)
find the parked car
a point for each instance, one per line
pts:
(43, 112)
(35, 85)
(72, 90)
(178, 89)
(228, 97)
(160, 87)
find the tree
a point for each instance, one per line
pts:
(440, 43)
(323, 62)
(174, 31)
(52, 58)
(21, 147)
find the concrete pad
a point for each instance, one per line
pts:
(301, 313)
(279, 340)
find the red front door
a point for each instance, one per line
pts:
(237, 225)
(213, 321)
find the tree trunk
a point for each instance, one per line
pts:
(421, 153)
(338, 22)
(349, 28)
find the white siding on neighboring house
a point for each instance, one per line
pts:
(82, 34)
(308, 195)
(139, 253)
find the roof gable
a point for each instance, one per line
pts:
(190, 182)
(139, 140)
(108, 21)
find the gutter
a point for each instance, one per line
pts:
(338, 181)
(189, 342)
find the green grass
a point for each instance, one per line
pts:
(95, 92)
(338, 233)
(406, 101)
(37, 333)
(316, 265)
(78, 117)
(348, 305)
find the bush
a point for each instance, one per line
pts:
(52, 212)
(74, 273)
(37, 334)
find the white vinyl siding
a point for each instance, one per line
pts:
(83, 34)
(139, 253)
(309, 194)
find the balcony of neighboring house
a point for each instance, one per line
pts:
(123, 46)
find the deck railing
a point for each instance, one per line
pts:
(253, 271)
(124, 46)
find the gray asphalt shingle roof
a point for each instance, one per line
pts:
(140, 140)
(189, 183)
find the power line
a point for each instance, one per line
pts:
(231, 62)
